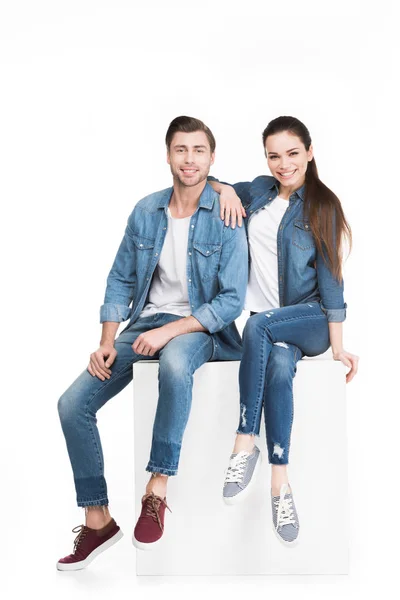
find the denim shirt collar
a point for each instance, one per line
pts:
(207, 198)
(300, 193)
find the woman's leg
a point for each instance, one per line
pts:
(303, 325)
(278, 409)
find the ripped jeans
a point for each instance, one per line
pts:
(273, 342)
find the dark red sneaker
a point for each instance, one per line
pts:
(150, 526)
(88, 544)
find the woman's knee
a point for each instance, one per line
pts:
(281, 363)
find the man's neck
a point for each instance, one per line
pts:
(184, 200)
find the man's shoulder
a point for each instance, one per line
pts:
(151, 203)
(154, 200)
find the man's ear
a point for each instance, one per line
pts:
(168, 159)
(212, 158)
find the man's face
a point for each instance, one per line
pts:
(190, 158)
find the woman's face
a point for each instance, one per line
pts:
(287, 159)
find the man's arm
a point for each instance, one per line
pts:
(149, 342)
(116, 308)
(217, 314)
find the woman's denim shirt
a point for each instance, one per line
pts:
(216, 270)
(302, 272)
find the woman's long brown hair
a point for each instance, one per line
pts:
(321, 206)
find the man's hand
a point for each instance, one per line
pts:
(101, 361)
(150, 342)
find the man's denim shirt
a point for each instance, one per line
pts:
(302, 272)
(217, 268)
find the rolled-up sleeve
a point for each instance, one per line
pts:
(232, 276)
(331, 291)
(121, 283)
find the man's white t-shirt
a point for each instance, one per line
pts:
(168, 291)
(263, 289)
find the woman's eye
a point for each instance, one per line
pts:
(293, 153)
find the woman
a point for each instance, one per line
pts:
(295, 230)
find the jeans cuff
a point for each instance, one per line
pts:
(162, 470)
(248, 432)
(99, 502)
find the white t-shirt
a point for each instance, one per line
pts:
(168, 291)
(263, 288)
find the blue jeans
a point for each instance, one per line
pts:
(77, 407)
(273, 342)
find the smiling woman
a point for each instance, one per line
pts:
(295, 226)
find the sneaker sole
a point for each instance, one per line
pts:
(241, 496)
(284, 542)
(77, 566)
(145, 546)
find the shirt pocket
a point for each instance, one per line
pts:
(302, 235)
(144, 252)
(207, 258)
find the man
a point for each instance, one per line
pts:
(185, 273)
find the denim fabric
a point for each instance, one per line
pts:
(78, 406)
(217, 268)
(303, 274)
(266, 371)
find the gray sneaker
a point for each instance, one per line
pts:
(240, 475)
(284, 515)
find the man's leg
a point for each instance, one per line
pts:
(178, 360)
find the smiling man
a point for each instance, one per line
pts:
(180, 277)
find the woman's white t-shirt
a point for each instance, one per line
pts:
(263, 288)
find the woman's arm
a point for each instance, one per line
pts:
(336, 339)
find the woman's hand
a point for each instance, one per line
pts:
(231, 206)
(349, 360)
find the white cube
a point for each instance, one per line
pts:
(203, 536)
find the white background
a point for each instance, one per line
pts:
(88, 89)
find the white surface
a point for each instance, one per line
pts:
(203, 536)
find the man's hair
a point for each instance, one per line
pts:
(188, 125)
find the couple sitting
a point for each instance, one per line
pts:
(181, 276)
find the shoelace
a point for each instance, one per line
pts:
(285, 508)
(235, 471)
(81, 530)
(153, 504)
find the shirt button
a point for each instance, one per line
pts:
(156, 254)
(306, 226)
(189, 280)
(141, 245)
(270, 198)
(164, 228)
(192, 226)
(190, 254)
(208, 252)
